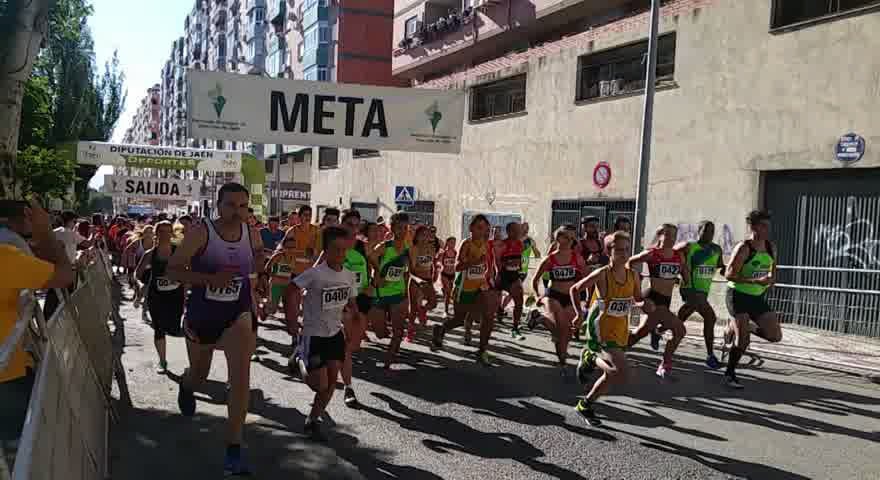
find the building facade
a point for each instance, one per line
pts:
(751, 102)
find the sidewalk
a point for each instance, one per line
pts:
(815, 347)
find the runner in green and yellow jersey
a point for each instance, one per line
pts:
(702, 259)
(751, 273)
(390, 262)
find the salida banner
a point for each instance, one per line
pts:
(154, 156)
(298, 112)
(152, 188)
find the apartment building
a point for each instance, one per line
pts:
(760, 103)
(144, 128)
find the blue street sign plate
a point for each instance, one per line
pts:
(850, 148)
(404, 195)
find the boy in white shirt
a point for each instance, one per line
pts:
(330, 292)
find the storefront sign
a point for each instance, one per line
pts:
(602, 175)
(298, 112)
(152, 188)
(154, 156)
(850, 148)
(291, 191)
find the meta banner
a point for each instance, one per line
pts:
(152, 188)
(155, 156)
(248, 108)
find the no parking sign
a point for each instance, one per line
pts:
(602, 175)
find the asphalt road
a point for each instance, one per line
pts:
(442, 416)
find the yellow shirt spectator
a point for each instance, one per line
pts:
(30, 273)
(306, 238)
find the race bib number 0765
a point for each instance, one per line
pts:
(229, 293)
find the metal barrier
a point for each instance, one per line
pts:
(65, 431)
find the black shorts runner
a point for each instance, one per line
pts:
(316, 352)
(506, 279)
(739, 303)
(563, 299)
(364, 302)
(658, 298)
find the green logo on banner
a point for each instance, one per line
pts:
(217, 99)
(434, 116)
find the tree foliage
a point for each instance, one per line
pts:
(67, 99)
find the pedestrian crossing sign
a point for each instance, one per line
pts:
(404, 195)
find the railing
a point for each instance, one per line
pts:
(65, 430)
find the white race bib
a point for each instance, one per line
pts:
(564, 273)
(705, 271)
(394, 274)
(668, 271)
(229, 293)
(619, 307)
(164, 284)
(424, 260)
(283, 270)
(477, 272)
(334, 298)
(513, 265)
(760, 274)
(449, 262)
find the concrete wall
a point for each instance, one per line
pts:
(746, 100)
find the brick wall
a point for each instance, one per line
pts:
(365, 43)
(638, 21)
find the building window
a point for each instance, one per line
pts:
(220, 145)
(328, 158)
(300, 48)
(323, 74)
(788, 12)
(622, 70)
(500, 98)
(411, 26)
(234, 145)
(221, 47)
(259, 15)
(364, 153)
(323, 33)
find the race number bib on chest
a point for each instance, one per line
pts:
(424, 261)
(619, 307)
(760, 273)
(284, 270)
(394, 274)
(334, 298)
(358, 277)
(564, 273)
(229, 293)
(705, 271)
(449, 262)
(513, 265)
(164, 284)
(476, 272)
(668, 271)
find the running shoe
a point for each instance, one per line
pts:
(235, 464)
(516, 335)
(664, 371)
(534, 318)
(731, 381)
(655, 340)
(186, 401)
(585, 409)
(350, 399)
(313, 430)
(586, 366)
(437, 340)
(485, 358)
(530, 301)
(255, 357)
(713, 362)
(162, 369)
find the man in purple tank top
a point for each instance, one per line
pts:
(221, 259)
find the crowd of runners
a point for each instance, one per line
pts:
(211, 280)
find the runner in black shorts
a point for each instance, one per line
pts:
(508, 255)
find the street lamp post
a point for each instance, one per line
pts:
(647, 128)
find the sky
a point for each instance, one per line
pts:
(142, 32)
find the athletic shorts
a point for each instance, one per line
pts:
(364, 302)
(505, 280)
(389, 301)
(448, 276)
(658, 298)
(564, 299)
(278, 293)
(316, 352)
(166, 315)
(694, 298)
(207, 332)
(606, 332)
(739, 303)
(467, 298)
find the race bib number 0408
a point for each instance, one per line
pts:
(334, 298)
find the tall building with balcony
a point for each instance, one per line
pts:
(144, 128)
(751, 109)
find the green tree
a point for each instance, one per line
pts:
(44, 172)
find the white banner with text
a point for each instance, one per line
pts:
(156, 156)
(152, 188)
(248, 108)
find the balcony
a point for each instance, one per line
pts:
(495, 28)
